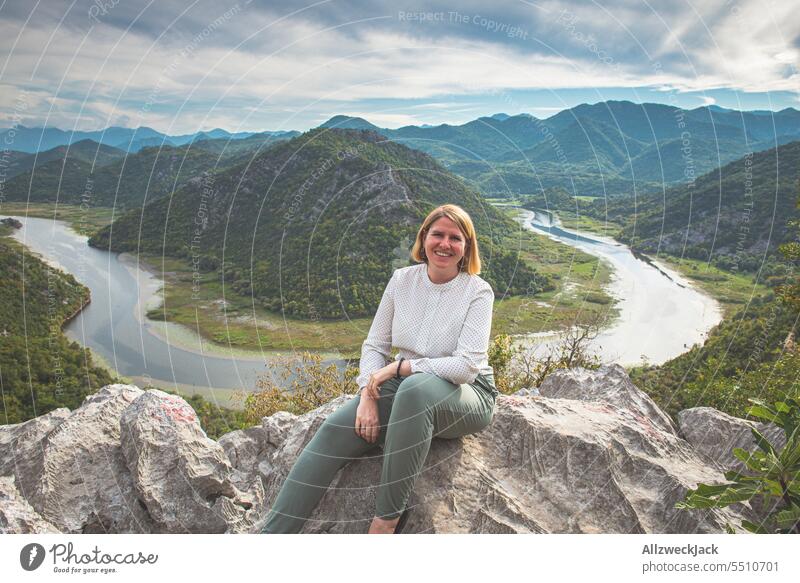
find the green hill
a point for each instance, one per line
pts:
(84, 150)
(313, 226)
(40, 369)
(749, 355)
(735, 216)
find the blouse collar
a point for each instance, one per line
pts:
(440, 286)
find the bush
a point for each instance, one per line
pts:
(312, 385)
(516, 368)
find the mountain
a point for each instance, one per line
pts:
(130, 181)
(344, 122)
(40, 368)
(313, 226)
(32, 140)
(613, 148)
(85, 150)
(228, 149)
(126, 181)
(735, 215)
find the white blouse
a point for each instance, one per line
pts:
(442, 329)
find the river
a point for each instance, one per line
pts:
(661, 314)
(115, 327)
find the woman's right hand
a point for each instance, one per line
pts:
(367, 424)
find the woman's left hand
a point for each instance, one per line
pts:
(379, 377)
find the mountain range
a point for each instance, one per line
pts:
(736, 215)
(87, 172)
(38, 139)
(614, 148)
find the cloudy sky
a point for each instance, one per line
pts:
(180, 67)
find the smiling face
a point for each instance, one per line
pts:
(445, 245)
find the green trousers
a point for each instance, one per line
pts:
(412, 412)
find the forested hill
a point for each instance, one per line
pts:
(40, 368)
(314, 226)
(93, 174)
(730, 215)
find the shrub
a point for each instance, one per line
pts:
(311, 386)
(772, 473)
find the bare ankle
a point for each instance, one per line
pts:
(382, 526)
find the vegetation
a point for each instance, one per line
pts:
(40, 369)
(98, 175)
(312, 385)
(752, 353)
(517, 367)
(609, 149)
(83, 220)
(770, 473)
(734, 217)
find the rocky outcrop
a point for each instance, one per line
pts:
(591, 453)
(716, 434)
(182, 477)
(16, 515)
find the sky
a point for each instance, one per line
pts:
(181, 67)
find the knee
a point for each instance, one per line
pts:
(412, 393)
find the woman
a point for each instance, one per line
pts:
(438, 313)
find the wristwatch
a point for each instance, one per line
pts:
(399, 364)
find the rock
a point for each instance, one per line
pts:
(19, 442)
(16, 515)
(250, 450)
(591, 454)
(580, 463)
(183, 477)
(75, 475)
(11, 222)
(715, 434)
(610, 385)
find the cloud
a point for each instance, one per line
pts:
(266, 64)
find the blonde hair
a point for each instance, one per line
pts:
(471, 262)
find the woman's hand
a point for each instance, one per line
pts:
(367, 419)
(376, 379)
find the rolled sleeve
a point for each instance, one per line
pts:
(473, 344)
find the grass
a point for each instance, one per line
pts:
(587, 224)
(580, 279)
(731, 290)
(83, 220)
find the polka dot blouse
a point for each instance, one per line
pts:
(441, 329)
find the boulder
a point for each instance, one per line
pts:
(715, 434)
(183, 477)
(599, 457)
(16, 515)
(74, 474)
(592, 453)
(610, 385)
